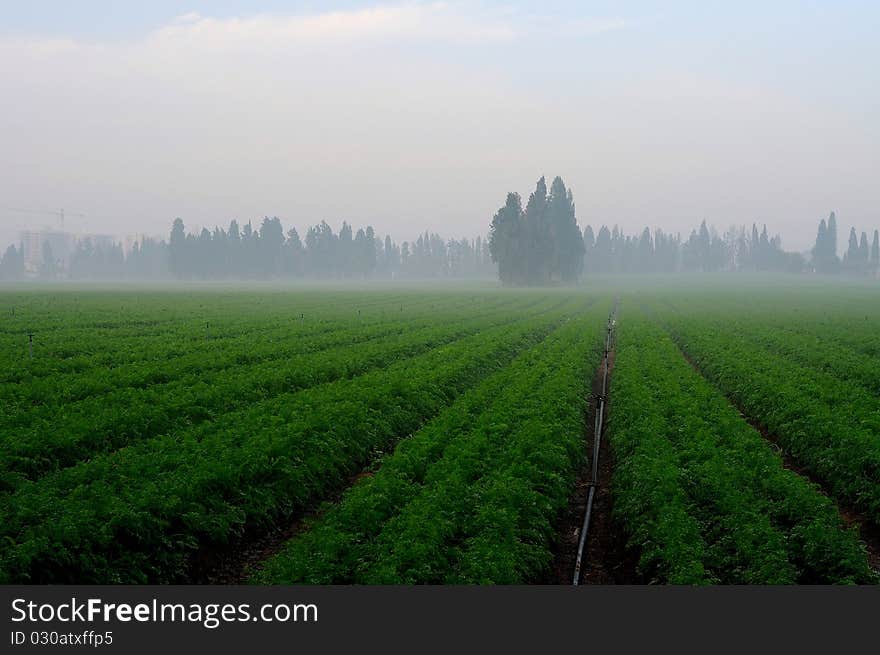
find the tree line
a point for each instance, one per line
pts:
(537, 245)
(859, 258)
(267, 252)
(12, 264)
(704, 251)
(542, 245)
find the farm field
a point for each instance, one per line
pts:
(402, 436)
(704, 496)
(148, 433)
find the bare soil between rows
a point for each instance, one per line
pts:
(606, 560)
(236, 564)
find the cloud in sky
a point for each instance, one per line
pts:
(433, 22)
(409, 117)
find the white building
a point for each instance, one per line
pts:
(33, 243)
(62, 244)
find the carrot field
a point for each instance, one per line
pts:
(297, 435)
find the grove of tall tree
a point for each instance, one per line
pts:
(540, 245)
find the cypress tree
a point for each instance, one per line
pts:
(177, 249)
(567, 255)
(271, 245)
(538, 236)
(589, 246)
(864, 253)
(345, 250)
(12, 264)
(832, 237)
(603, 250)
(645, 251)
(875, 252)
(505, 235)
(370, 248)
(851, 258)
(825, 259)
(755, 248)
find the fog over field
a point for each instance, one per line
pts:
(413, 117)
(364, 294)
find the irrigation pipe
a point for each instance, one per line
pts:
(597, 441)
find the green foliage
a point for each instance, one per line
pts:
(473, 496)
(12, 264)
(145, 511)
(541, 245)
(153, 430)
(107, 409)
(820, 403)
(701, 494)
(825, 259)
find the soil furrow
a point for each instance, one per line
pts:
(606, 560)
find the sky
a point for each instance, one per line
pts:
(413, 116)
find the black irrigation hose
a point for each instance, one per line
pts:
(597, 439)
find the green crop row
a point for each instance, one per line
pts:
(67, 359)
(829, 425)
(848, 318)
(131, 414)
(144, 512)
(842, 362)
(163, 363)
(702, 496)
(473, 496)
(98, 321)
(843, 344)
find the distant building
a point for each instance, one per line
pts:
(33, 242)
(63, 245)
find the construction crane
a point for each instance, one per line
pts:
(60, 214)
